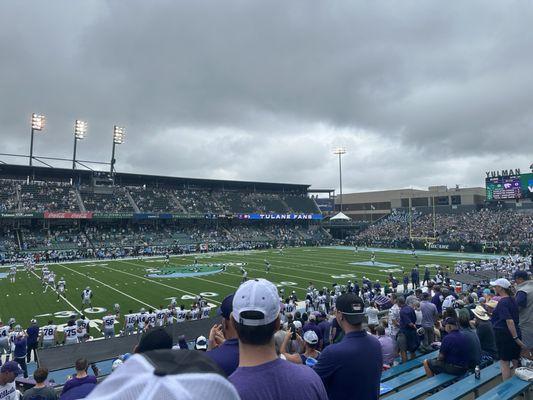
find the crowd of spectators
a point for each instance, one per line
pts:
(499, 228)
(8, 195)
(48, 196)
(117, 201)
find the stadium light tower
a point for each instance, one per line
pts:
(37, 124)
(80, 130)
(119, 134)
(340, 151)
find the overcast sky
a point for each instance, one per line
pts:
(419, 92)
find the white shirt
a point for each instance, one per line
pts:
(8, 391)
(205, 312)
(131, 319)
(49, 332)
(109, 322)
(71, 333)
(4, 332)
(372, 315)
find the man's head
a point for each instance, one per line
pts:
(81, 364)
(154, 339)
(311, 339)
(520, 277)
(401, 301)
(450, 324)
(350, 310)
(225, 309)
(9, 371)
(40, 375)
(256, 312)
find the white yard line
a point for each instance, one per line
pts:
(110, 287)
(69, 303)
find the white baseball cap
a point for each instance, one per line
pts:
(311, 337)
(502, 282)
(259, 296)
(201, 343)
(166, 374)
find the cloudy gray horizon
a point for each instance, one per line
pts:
(420, 93)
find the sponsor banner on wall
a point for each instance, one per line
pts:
(281, 216)
(68, 215)
(21, 215)
(439, 246)
(116, 215)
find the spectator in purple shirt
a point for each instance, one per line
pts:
(407, 337)
(81, 384)
(454, 352)
(33, 340)
(312, 326)
(324, 325)
(261, 375)
(223, 341)
(387, 346)
(437, 299)
(429, 317)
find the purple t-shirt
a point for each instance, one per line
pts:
(506, 309)
(226, 356)
(455, 348)
(278, 379)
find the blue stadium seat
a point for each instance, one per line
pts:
(506, 390)
(421, 388)
(402, 380)
(468, 385)
(408, 366)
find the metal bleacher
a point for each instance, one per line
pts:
(408, 382)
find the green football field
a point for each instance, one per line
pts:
(125, 281)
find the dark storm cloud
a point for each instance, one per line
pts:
(265, 90)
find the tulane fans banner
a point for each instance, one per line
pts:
(280, 216)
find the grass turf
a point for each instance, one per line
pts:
(125, 282)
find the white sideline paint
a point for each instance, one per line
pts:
(110, 287)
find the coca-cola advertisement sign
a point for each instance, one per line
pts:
(68, 215)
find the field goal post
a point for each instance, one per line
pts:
(426, 239)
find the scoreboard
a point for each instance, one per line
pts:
(509, 187)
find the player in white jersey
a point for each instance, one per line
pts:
(86, 297)
(71, 333)
(109, 325)
(142, 319)
(5, 347)
(373, 258)
(280, 252)
(13, 273)
(83, 328)
(45, 273)
(194, 312)
(49, 335)
(321, 300)
(205, 312)
(160, 316)
(244, 275)
(61, 287)
(181, 314)
(170, 314)
(130, 320)
(150, 319)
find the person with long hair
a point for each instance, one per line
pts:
(506, 330)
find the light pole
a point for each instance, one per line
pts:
(119, 134)
(340, 151)
(80, 130)
(37, 124)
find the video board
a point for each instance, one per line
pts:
(510, 187)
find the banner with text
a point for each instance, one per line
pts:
(281, 216)
(68, 215)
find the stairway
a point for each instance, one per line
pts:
(177, 202)
(79, 200)
(132, 202)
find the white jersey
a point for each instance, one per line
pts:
(61, 285)
(290, 308)
(205, 312)
(4, 332)
(87, 294)
(51, 279)
(49, 332)
(131, 319)
(170, 313)
(13, 270)
(181, 315)
(141, 320)
(160, 317)
(109, 322)
(82, 324)
(194, 313)
(150, 320)
(71, 334)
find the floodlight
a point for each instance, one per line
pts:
(119, 134)
(80, 129)
(37, 122)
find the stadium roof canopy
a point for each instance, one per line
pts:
(340, 217)
(22, 172)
